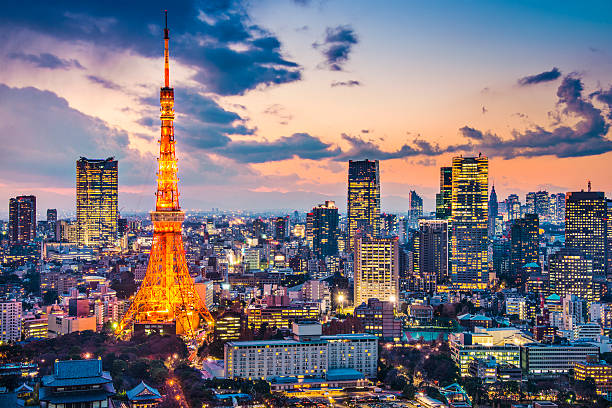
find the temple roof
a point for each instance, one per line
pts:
(77, 372)
(143, 392)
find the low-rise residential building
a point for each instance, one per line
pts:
(422, 313)
(378, 318)
(62, 324)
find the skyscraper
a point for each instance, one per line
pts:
(609, 233)
(513, 207)
(52, 223)
(363, 202)
(558, 207)
(444, 197)
(281, 227)
(469, 222)
(530, 203)
(542, 205)
(524, 244)
(571, 273)
(415, 207)
(585, 227)
(323, 228)
(493, 210)
(376, 269)
(432, 245)
(97, 205)
(22, 219)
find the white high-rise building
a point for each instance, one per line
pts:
(10, 321)
(376, 269)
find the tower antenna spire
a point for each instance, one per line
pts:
(166, 53)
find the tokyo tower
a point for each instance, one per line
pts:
(167, 298)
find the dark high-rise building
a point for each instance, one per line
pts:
(542, 205)
(586, 227)
(22, 219)
(469, 222)
(415, 206)
(609, 234)
(281, 227)
(493, 210)
(52, 223)
(513, 207)
(524, 245)
(530, 203)
(558, 208)
(444, 197)
(323, 229)
(432, 245)
(389, 225)
(571, 273)
(501, 256)
(97, 201)
(259, 228)
(363, 202)
(51, 215)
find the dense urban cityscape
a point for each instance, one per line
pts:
(486, 301)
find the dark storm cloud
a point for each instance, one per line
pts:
(545, 76)
(586, 138)
(230, 54)
(300, 145)
(46, 60)
(57, 137)
(349, 83)
(337, 46)
(105, 83)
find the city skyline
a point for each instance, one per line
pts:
(248, 136)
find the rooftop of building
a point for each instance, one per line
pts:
(143, 392)
(77, 372)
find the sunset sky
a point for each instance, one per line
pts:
(274, 97)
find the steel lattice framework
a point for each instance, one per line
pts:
(167, 293)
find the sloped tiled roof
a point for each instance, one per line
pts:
(143, 392)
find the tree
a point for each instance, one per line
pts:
(441, 368)
(50, 297)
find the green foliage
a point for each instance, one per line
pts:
(441, 368)
(50, 297)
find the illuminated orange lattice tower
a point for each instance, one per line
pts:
(167, 294)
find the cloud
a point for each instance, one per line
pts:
(300, 145)
(337, 46)
(545, 76)
(46, 60)
(604, 97)
(363, 149)
(230, 54)
(280, 112)
(586, 138)
(203, 124)
(105, 83)
(349, 83)
(48, 147)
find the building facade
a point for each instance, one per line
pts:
(524, 244)
(323, 229)
(376, 273)
(586, 227)
(22, 219)
(469, 222)
(10, 321)
(97, 201)
(553, 359)
(432, 247)
(571, 273)
(444, 197)
(363, 200)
